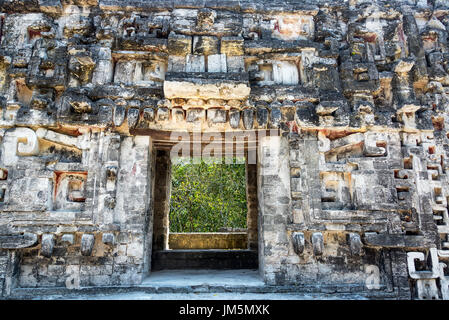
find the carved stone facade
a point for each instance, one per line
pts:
(350, 194)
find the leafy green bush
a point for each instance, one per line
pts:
(207, 196)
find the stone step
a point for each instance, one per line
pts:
(204, 259)
(109, 292)
(160, 283)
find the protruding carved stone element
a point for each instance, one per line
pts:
(81, 106)
(18, 241)
(111, 173)
(262, 117)
(109, 202)
(133, 117)
(444, 282)
(205, 86)
(81, 67)
(248, 118)
(2, 193)
(87, 244)
(18, 142)
(47, 245)
(178, 115)
(425, 274)
(298, 242)
(317, 243)
(234, 118)
(119, 115)
(355, 244)
(57, 138)
(275, 117)
(67, 239)
(108, 238)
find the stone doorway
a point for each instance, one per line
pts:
(209, 250)
(226, 249)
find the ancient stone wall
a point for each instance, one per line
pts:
(352, 192)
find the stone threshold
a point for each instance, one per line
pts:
(193, 282)
(95, 292)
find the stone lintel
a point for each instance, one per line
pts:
(206, 86)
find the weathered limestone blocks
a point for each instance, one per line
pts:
(201, 54)
(217, 240)
(216, 63)
(293, 27)
(395, 240)
(187, 87)
(74, 273)
(48, 65)
(195, 63)
(9, 264)
(316, 64)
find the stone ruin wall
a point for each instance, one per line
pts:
(354, 197)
